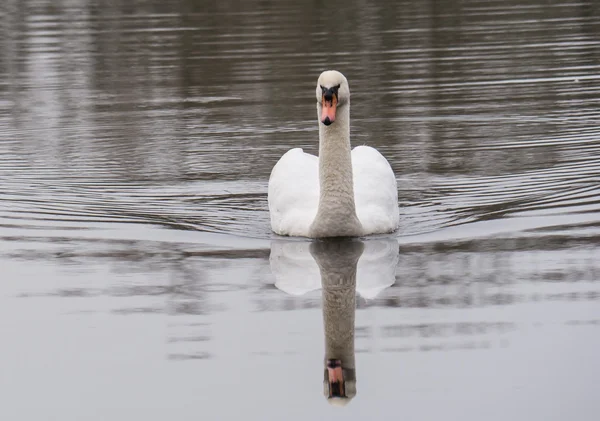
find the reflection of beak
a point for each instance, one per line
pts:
(335, 377)
(329, 104)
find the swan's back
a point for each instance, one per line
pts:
(375, 191)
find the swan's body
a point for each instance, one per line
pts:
(343, 192)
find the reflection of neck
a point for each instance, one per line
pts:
(336, 214)
(337, 262)
(339, 302)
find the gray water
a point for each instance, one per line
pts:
(139, 276)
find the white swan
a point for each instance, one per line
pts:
(341, 193)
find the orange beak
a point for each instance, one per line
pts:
(328, 111)
(335, 378)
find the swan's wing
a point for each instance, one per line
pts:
(375, 191)
(293, 193)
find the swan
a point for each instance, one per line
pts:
(342, 193)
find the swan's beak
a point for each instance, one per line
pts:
(329, 104)
(335, 379)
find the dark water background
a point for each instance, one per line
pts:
(136, 142)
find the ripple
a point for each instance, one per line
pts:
(172, 121)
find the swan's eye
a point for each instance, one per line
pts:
(330, 93)
(333, 88)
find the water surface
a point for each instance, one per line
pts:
(140, 279)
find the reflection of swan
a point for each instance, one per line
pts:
(337, 262)
(334, 266)
(296, 272)
(341, 193)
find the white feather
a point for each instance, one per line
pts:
(294, 192)
(375, 191)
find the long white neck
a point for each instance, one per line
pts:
(336, 215)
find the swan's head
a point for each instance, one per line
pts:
(332, 92)
(340, 383)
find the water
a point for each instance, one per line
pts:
(140, 279)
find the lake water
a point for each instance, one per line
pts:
(139, 278)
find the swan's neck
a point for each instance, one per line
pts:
(336, 215)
